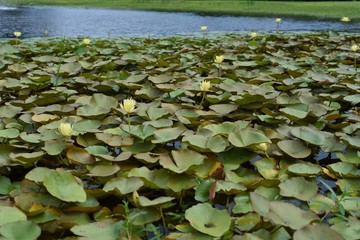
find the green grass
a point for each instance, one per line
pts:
(331, 10)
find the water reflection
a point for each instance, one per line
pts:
(66, 21)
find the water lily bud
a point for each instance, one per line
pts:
(203, 28)
(135, 198)
(278, 20)
(205, 86)
(17, 34)
(219, 59)
(263, 146)
(128, 105)
(65, 129)
(253, 35)
(86, 41)
(345, 19)
(354, 47)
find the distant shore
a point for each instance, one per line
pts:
(323, 10)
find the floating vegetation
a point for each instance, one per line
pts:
(135, 138)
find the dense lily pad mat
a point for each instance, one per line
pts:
(272, 151)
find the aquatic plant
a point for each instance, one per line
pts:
(272, 153)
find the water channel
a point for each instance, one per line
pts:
(67, 21)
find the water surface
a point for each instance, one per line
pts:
(69, 21)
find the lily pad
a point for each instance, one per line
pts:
(64, 186)
(123, 185)
(12, 214)
(206, 219)
(299, 188)
(246, 137)
(294, 148)
(317, 232)
(181, 160)
(25, 230)
(98, 230)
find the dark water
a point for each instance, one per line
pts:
(66, 21)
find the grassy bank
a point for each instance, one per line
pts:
(331, 10)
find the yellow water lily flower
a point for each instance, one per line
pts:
(128, 105)
(65, 129)
(278, 20)
(219, 59)
(263, 146)
(354, 47)
(17, 34)
(203, 28)
(345, 19)
(205, 86)
(253, 35)
(86, 41)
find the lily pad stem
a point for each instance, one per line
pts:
(163, 219)
(129, 120)
(355, 59)
(202, 100)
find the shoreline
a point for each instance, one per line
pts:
(329, 11)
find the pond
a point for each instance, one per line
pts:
(68, 21)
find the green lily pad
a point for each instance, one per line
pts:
(344, 169)
(246, 137)
(350, 156)
(321, 204)
(5, 184)
(294, 112)
(168, 134)
(304, 169)
(69, 190)
(326, 140)
(123, 185)
(9, 133)
(248, 221)
(54, 146)
(143, 216)
(289, 215)
(26, 157)
(145, 202)
(267, 167)
(294, 148)
(202, 190)
(95, 105)
(299, 188)
(316, 232)
(348, 229)
(103, 170)
(12, 214)
(25, 230)
(206, 219)
(181, 160)
(9, 111)
(98, 230)
(79, 155)
(38, 174)
(224, 109)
